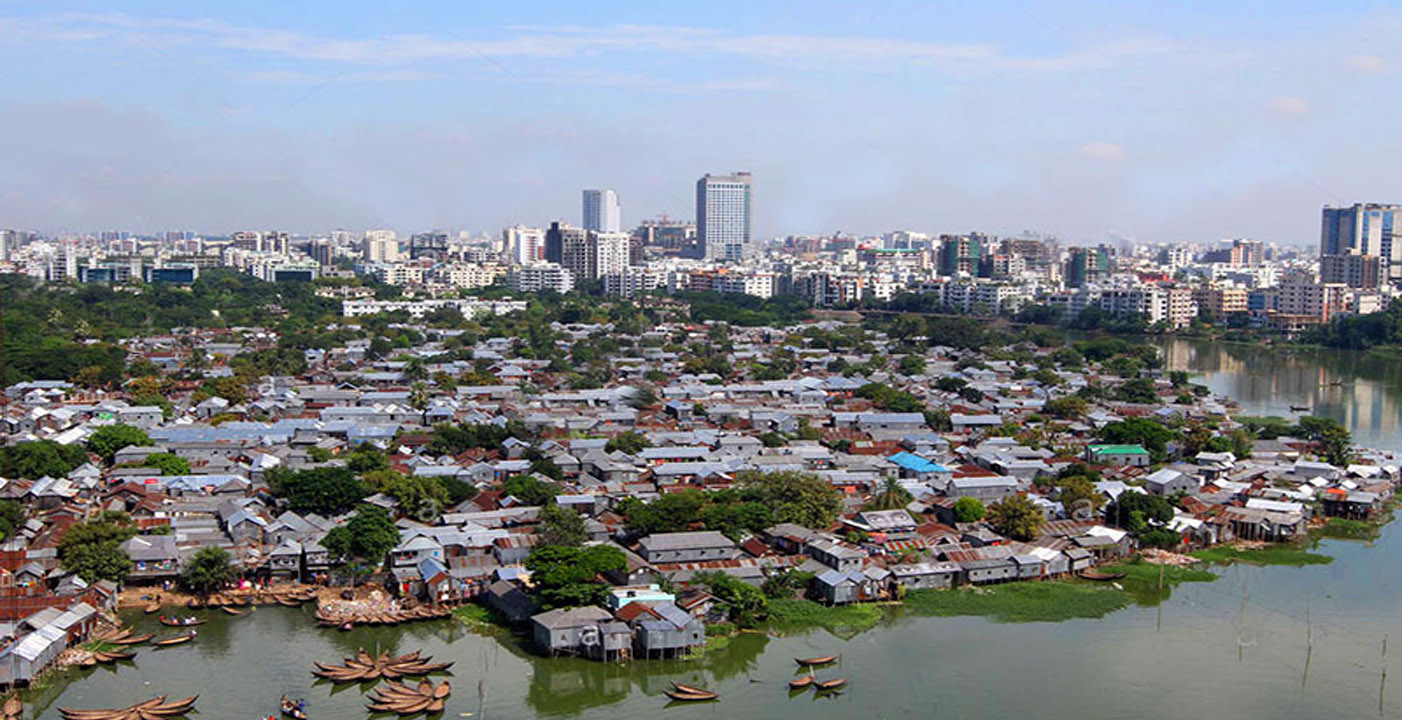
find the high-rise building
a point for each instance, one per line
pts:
(724, 212)
(9, 240)
(1364, 229)
(1086, 264)
(591, 255)
(379, 246)
(524, 245)
(323, 252)
(960, 253)
(1353, 270)
(556, 238)
(601, 213)
(431, 245)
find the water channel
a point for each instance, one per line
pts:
(1239, 647)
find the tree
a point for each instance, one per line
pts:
(364, 458)
(628, 443)
(11, 518)
(801, 498)
(368, 536)
(323, 490)
(1016, 517)
(1079, 496)
(209, 570)
(42, 458)
(422, 498)
(561, 526)
(1067, 407)
(415, 369)
(891, 497)
(969, 509)
(93, 549)
(670, 512)
(747, 604)
(108, 439)
(167, 463)
(570, 576)
(912, 365)
(530, 490)
(1138, 512)
(1139, 431)
(642, 398)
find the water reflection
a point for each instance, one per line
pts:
(1362, 391)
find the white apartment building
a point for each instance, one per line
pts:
(469, 307)
(525, 245)
(379, 246)
(601, 211)
(634, 281)
(538, 277)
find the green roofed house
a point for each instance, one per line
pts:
(1134, 455)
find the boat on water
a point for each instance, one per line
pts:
(690, 689)
(293, 709)
(680, 696)
(181, 622)
(177, 640)
(801, 683)
(1299, 408)
(809, 662)
(832, 684)
(1097, 575)
(232, 611)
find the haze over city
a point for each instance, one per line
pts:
(1090, 121)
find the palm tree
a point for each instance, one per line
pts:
(415, 370)
(418, 399)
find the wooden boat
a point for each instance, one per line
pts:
(1097, 575)
(692, 697)
(194, 604)
(689, 689)
(800, 683)
(290, 709)
(181, 622)
(232, 611)
(832, 684)
(129, 639)
(1299, 408)
(153, 708)
(287, 602)
(152, 608)
(177, 640)
(809, 662)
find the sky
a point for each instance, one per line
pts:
(1092, 121)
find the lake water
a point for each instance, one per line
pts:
(1234, 648)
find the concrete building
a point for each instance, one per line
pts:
(724, 213)
(525, 245)
(379, 246)
(601, 211)
(1364, 229)
(541, 276)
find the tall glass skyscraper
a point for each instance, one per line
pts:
(601, 213)
(1364, 229)
(724, 210)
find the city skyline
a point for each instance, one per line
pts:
(1152, 125)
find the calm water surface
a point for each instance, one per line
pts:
(1234, 648)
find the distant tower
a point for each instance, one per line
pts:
(724, 211)
(601, 213)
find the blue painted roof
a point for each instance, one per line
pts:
(915, 463)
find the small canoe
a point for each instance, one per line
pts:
(182, 622)
(832, 684)
(809, 662)
(692, 697)
(232, 611)
(177, 640)
(131, 639)
(1097, 575)
(290, 709)
(152, 608)
(690, 689)
(799, 683)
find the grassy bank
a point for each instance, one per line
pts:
(480, 616)
(789, 615)
(1151, 584)
(1051, 601)
(1280, 554)
(1344, 529)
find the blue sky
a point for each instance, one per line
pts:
(1090, 120)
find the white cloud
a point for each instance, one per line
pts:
(1367, 63)
(536, 42)
(1109, 152)
(1290, 105)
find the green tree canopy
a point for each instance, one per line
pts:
(969, 509)
(167, 463)
(108, 439)
(324, 490)
(12, 516)
(746, 603)
(570, 576)
(561, 526)
(368, 536)
(41, 458)
(1016, 517)
(530, 490)
(1139, 431)
(802, 498)
(891, 496)
(628, 443)
(209, 570)
(93, 549)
